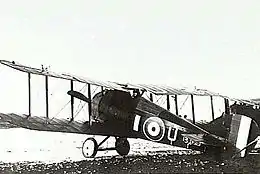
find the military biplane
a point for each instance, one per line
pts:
(121, 111)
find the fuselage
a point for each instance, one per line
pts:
(120, 114)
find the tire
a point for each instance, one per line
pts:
(89, 148)
(122, 146)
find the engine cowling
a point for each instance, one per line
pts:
(113, 105)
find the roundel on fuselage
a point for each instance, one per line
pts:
(154, 128)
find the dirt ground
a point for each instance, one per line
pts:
(164, 162)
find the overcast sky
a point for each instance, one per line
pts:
(208, 44)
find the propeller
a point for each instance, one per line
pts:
(79, 96)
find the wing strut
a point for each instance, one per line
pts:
(102, 90)
(212, 107)
(176, 105)
(168, 102)
(47, 96)
(29, 95)
(227, 109)
(151, 97)
(72, 101)
(89, 104)
(193, 111)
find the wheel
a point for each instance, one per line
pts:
(89, 148)
(122, 146)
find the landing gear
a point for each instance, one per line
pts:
(122, 146)
(90, 147)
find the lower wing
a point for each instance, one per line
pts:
(40, 123)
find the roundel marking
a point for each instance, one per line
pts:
(154, 128)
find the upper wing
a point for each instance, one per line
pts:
(168, 90)
(256, 100)
(155, 89)
(64, 76)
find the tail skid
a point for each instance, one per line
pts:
(246, 147)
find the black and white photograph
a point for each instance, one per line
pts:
(124, 86)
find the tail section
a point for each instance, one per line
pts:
(239, 129)
(249, 119)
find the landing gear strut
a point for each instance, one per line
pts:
(90, 147)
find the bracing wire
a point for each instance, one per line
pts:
(84, 109)
(158, 99)
(78, 107)
(163, 101)
(61, 109)
(83, 88)
(147, 95)
(184, 102)
(80, 102)
(82, 106)
(95, 90)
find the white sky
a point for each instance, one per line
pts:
(211, 44)
(208, 44)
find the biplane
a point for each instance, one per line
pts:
(121, 111)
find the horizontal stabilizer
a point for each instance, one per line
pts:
(79, 96)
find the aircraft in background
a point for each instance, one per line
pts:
(121, 111)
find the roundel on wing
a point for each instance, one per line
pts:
(154, 128)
